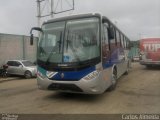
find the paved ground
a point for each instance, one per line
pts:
(138, 92)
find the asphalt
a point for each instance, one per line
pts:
(5, 79)
(137, 92)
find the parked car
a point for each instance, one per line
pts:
(21, 67)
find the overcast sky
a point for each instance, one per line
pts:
(134, 17)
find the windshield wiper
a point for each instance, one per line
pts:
(67, 40)
(60, 42)
(50, 55)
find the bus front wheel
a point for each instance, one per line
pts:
(113, 80)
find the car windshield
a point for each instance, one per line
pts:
(27, 63)
(71, 41)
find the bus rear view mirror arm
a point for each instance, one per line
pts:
(32, 36)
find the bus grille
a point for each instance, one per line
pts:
(61, 86)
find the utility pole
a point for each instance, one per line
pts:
(38, 13)
(52, 8)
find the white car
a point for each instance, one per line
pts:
(21, 67)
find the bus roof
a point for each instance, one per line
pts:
(73, 17)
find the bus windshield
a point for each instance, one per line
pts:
(69, 41)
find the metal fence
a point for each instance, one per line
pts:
(17, 47)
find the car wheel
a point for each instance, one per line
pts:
(27, 74)
(114, 80)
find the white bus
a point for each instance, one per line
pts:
(81, 54)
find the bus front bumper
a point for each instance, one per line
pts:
(82, 86)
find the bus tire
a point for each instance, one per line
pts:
(114, 80)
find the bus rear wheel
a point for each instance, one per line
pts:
(114, 80)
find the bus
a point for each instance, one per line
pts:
(83, 53)
(150, 51)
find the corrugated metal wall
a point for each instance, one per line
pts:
(16, 47)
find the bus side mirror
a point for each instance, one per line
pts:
(110, 33)
(31, 39)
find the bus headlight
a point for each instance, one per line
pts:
(91, 76)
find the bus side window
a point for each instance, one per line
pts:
(105, 44)
(122, 41)
(115, 33)
(112, 41)
(118, 38)
(125, 43)
(105, 34)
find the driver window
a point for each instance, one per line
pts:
(105, 35)
(105, 44)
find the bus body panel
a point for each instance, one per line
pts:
(96, 85)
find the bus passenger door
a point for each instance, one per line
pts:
(105, 54)
(105, 46)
